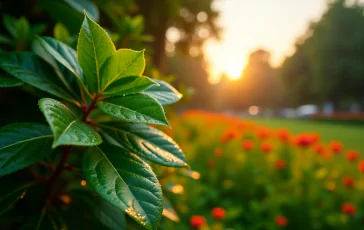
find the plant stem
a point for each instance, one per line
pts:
(67, 152)
(92, 106)
(48, 190)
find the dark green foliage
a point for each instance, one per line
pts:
(327, 64)
(96, 81)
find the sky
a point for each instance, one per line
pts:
(248, 25)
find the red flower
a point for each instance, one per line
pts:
(218, 152)
(352, 155)
(218, 213)
(283, 135)
(197, 221)
(361, 166)
(348, 209)
(336, 147)
(281, 221)
(348, 182)
(263, 133)
(247, 145)
(303, 141)
(211, 163)
(266, 147)
(314, 137)
(280, 164)
(319, 148)
(229, 135)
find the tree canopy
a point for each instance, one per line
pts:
(328, 62)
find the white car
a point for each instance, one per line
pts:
(307, 110)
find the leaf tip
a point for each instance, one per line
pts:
(41, 103)
(87, 18)
(55, 145)
(167, 124)
(153, 82)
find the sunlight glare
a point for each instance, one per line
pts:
(221, 61)
(253, 110)
(234, 71)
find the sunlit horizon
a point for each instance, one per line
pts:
(250, 25)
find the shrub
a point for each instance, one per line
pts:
(97, 133)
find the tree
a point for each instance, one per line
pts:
(257, 86)
(191, 71)
(296, 78)
(258, 80)
(327, 65)
(188, 17)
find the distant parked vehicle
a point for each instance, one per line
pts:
(288, 113)
(307, 110)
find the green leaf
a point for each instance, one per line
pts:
(67, 78)
(16, 26)
(22, 29)
(94, 47)
(147, 142)
(63, 54)
(136, 108)
(129, 85)
(5, 40)
(123, 63)
(164, 93)
(61, 32)
(11, 191)
(9, 23)
(34, 71)
(168, 210)
(138, 24)
(125, 181)
(66, 128)
(60, 11)
(10, 82)
(85, 5)
(23, 144)
(107, 214)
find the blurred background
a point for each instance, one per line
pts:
(290, 72)
(272, 58)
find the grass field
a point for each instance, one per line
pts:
(351, 134)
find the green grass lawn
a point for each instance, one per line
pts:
(351, 134)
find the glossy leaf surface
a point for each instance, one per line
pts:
(123, 63)
(129, 85)
(23, 144)
(164, 93)
(66, 128)
(31, 69)
(125, 181)
(147, 142)
(138, 108)
(94, 47)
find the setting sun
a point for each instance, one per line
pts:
(221, 61)
(238, 40)
(234, 71)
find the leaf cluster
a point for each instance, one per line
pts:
(99, 106)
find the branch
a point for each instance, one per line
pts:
(90, 108)
(48, 190)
